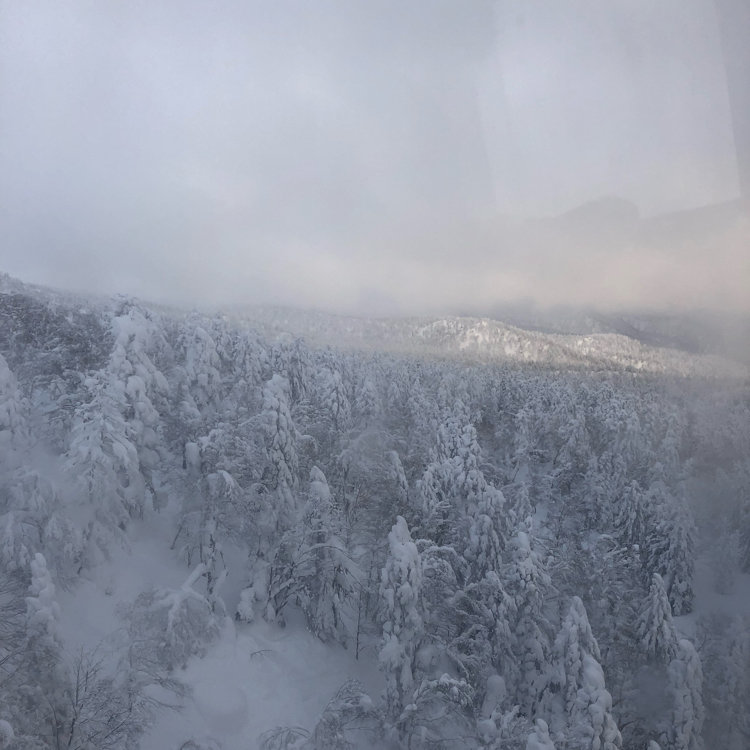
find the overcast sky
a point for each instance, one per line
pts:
(364, 156)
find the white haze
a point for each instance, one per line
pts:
(372, 157)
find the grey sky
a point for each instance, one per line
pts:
(373, 156)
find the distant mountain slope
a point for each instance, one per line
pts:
(724, 334)
(572, 340)
(484, 339)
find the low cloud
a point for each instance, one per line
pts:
(378, 157)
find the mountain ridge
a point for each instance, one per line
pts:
(598, 345)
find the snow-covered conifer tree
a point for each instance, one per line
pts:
(403, 622)
(539, 739)
(433, 507)
(103, 461)
(671, 547)
(280, 437)
(335, 399)
(141, 389)
(593, 710)
(683, 731)
(520, 507)
(248, 361)
(368, 405)
(576, 687)
(522, 438)
(573, 451)
(480, 534)
(486, 531)
(32, 519)
(397, 479)
(44, 693)
(596, 505)
(528, 582)
(449, 440)
(223, 515)
(43, 611)
(482, 644)
(201, 366)
(629, 444)
(725, 655)
(326, 574)
(289, 359)
(14, 429)
(736, 681)
(656, 632)
(631, 516)
(739, 487)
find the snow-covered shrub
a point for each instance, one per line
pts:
(349, 720)
(168, 626)
(439, 711)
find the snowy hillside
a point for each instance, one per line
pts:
(487, 340)
(596, 344)
(292, 530)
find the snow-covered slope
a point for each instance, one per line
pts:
(488, 340)
(253, 679)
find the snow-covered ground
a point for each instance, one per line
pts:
(254, 677)
(708, 601)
